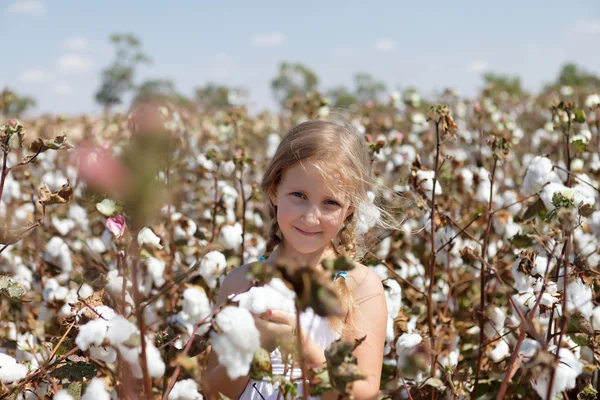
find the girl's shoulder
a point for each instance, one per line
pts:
(235, 281)
(362, 281)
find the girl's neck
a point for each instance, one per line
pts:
(287, 254)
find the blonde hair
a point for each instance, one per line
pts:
(330, 147)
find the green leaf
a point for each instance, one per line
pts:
(74, 390)
(580, 116)
(521, 241)
(10, 288)
(580, 145)
(74, 372)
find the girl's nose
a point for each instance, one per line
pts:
(311, 216)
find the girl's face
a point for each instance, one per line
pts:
(309, 211)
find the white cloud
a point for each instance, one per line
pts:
(62, 88)
(478, 66)
(220, 73)
(73, 63)
(76, 43)
(35, 75)
(384, 45)
(589, 27)
(33, 7)
(267, 39)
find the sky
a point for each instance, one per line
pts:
(54, 50)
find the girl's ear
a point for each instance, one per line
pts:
(349, 212)
(273, 197)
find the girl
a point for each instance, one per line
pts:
(317, 187)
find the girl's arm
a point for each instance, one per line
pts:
(370, 320)
(216, 379)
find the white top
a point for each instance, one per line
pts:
(319, 331)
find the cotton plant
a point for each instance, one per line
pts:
(196, 310)
(274, 295)
(393, 298)
(424, 180)
(539, 173)
(11, 370)
(113, 330)
(230, 236)
(566, 371)
(235, 340)
(185, 389)
(211, 267)
(147, 236)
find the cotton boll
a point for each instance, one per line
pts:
(147, 236)
(96, 245)
(10, 370)
(565, 374)
(393, 297)
(594, 222)
(260, 299)
(154, 361)
(119, 330)
(410, 364)
(156, 269)
(596, 318)
(549, 190)
(579, 298)
(63, 226)
(96, 390)
(58, 253)
(79, 215)
(196, 305)
(156, 365)
(106, 354)
(86, 291)
(231, 236)
(92, 333)
(227, 168)
(238, 341)
(500, 352)
(368, 215)
(381, 271)
(185, 389)
(425, 181)
(62, 395)
(211, 267)
(539, 172)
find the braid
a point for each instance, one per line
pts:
(348, 237)
(273, 237)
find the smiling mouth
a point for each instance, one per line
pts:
(307, 233)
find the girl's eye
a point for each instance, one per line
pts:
(332, 203)
(297, 194)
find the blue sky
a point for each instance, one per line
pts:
(54, 50)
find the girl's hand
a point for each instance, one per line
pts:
(276, 328)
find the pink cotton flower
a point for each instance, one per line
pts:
(116, 226)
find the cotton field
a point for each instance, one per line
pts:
(116, 233)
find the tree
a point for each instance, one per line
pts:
(368, 88)
(572, 75)
(14, 105)
(293, 80)
(159, 90)
(341, 97)
(503, 83)
(213, 96)
(117, 79)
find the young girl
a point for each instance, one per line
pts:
(317, 185)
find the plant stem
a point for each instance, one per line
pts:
(139, 314)
(483, 278)
(430, 304)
